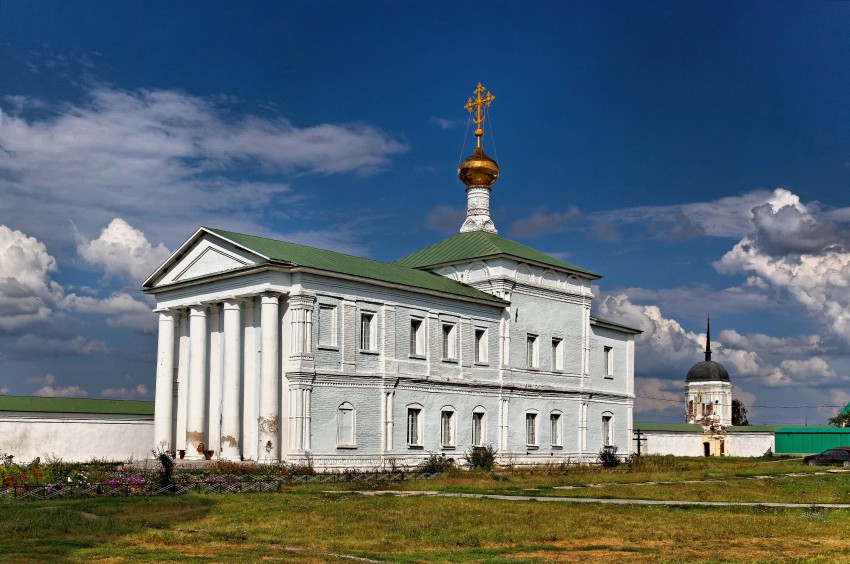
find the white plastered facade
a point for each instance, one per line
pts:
(268, 362)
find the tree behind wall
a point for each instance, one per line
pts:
(739, 413)
(842, 419)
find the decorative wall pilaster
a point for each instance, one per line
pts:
(300, 418)
(348, 343)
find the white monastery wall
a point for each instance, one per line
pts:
(75, 437)
(679, 444)
(750, 444)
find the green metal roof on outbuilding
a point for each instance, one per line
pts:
(668, 427)
(75, 405)
(752, 429)
(320, 259)
(480, 245)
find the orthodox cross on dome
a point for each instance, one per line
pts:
(477, 104)
(708, 339)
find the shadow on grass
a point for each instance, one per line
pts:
(60, 530)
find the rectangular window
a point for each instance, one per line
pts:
(608, 358)
(447, 432)
(477, 428)
(555, 421)
(368, 341)
(417, 338)
(531, 429)
(533, 352)
(449, 342)
(413, 422)
(481, 346)
(606, 430)
(557, 354)
(327, 325)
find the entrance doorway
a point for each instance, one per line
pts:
(707, 448)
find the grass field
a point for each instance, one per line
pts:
(307, 524)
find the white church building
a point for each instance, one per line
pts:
(273, 352)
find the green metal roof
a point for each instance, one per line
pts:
(752, 428)
(846, 409)
(480, 244)
(669, 427)
(311, 257)
(75, 405)
(805, 430)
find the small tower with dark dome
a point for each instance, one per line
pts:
(708, 390)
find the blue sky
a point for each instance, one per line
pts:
(695, 154)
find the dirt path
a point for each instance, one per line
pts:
(598, 500)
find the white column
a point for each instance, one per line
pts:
(163, 428)
(269, 416)
(197, 388)
(231, 428)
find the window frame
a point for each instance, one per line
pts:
(608, 361)
(531, 431)
(557, 354)
(449, 332)
(532, 351)
(417, 337)
(556, 429)
(447, 415)
(418, 412)
(481, 346)
(372, 338)
(340, 443)
(607, 429)
(334, 330)
(481, 414)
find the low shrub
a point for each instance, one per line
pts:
(435, 464)
(480, 458)
(608, 457)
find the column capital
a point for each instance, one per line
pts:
(232, 303)
(198, 310)
(302, 300)
(269, 297)
(167, 314)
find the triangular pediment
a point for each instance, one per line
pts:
(210, 261)
(205, 254)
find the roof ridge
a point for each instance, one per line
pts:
(451, 250)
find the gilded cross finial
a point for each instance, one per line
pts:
(477, 104)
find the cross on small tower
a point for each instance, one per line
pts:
(477, 103)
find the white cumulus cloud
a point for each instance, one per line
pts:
(121, 250)
(25, 285)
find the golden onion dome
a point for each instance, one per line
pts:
(478, 169)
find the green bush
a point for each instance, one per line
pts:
(435, 464)
(480, 458)
(608, 457)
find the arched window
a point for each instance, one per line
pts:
(531, 437)
(414, 425)
(447, 426)
(479, 429)
(555, 432)
(345, 426)
(607, 428)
